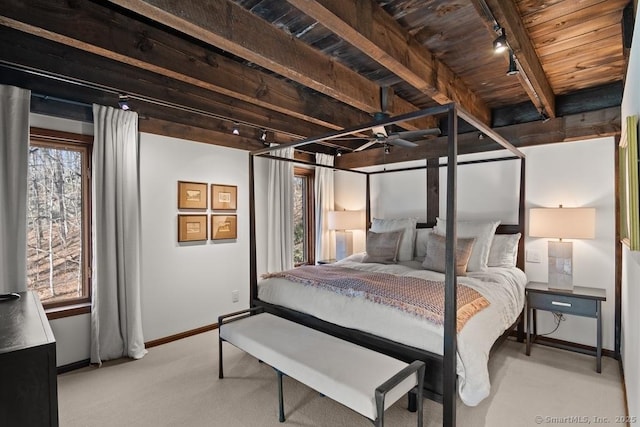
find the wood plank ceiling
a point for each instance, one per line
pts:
(300, 68)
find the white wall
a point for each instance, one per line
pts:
(572, 174)
(577, 174)
(630, 343)
(188, 285)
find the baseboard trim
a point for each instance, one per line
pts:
(73, 366)
(567, 345)
(181, 335)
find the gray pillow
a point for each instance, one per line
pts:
(435, 258)
(382, 248)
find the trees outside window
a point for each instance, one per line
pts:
(303, 217)
(58, 217)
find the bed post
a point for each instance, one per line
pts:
(368, 202)
(450, 303)
(433, 190)
(253, 267)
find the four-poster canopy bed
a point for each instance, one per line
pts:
(441, 374)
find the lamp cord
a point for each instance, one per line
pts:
(559, 317)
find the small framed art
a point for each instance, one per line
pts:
(192, 195)
(224, 197)
(192, 228)
(224, 227)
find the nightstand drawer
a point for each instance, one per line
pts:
(563, 304)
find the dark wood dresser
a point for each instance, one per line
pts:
(28, 382)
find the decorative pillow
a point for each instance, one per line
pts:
(405, 252)
(382, 247)
(435, 259)
(422, 237)
(504, 250)
(483, 231)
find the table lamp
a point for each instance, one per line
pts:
(343, 222)
(562, 223)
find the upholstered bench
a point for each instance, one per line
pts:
(361, 379)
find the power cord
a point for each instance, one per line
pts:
(558, 317)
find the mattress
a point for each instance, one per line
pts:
(502, 287)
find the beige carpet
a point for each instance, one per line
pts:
(177, 385)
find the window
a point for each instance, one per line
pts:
(58, 218)
(303, 217)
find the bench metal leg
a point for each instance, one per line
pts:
(379, 422)
(280, 398)
(220, 371)
(412, 407)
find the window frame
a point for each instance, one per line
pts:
(310, 229)
(84, 144)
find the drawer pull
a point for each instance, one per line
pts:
(563, 304)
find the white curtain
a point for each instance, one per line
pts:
(280, 212)
(14, 160)
(325, 243)
(116, 321)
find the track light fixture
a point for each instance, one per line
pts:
(513, 67)
(387, 149)
(263, 135)
(338, 153)
(123, 102)
(500, 43)
(235, 130)
(543, 116)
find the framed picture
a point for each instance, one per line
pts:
(192, 195)
(224, 227)
(224, 197)
(192, 228)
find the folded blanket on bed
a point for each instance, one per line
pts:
(423, 298)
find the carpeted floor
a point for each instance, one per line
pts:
(177, 384)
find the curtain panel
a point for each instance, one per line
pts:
(280, 212)
(116, 321)
(325, 243)
(14, 160)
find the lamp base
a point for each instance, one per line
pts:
(344, 244)
(561, 265)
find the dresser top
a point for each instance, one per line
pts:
(23, 323)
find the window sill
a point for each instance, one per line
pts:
(68, 310)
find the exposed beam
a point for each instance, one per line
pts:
(141, 45)
(84, 68)
(225, 25)
(532, 75)
(593, 124)
(366, 26)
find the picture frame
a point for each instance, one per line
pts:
(192, 195)
(224, 227)
(224, 197)
(192, 228)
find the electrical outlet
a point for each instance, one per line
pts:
(235, 296)
(534, 256)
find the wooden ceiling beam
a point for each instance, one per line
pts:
(141, 45)
(85, 69)
(532, 76)
(593, 124)
(230, 27)
(366, 26)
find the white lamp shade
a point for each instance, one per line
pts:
(345, 220)
(562, 223)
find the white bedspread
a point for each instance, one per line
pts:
(503, 287)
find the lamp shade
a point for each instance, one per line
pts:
(562, 223)
(345, 220)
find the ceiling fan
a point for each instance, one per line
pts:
(401, 139)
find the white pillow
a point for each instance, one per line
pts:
(405, 252)
(483, 231)
(422, 239)
(504, 250)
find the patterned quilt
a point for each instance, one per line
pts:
(421, 297)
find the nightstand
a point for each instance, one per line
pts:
(586, 302)
(326, 261)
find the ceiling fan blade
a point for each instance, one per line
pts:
(411, 134)
(402, 143)
(379, 131)
(366, 145)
